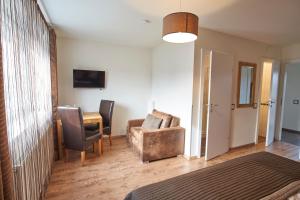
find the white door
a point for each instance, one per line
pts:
(272, 105)
(219, 101)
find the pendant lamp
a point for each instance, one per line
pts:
(180, 27)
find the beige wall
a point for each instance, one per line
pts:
(128, 78)
(172, 83)
(291, 52)
(244, 119)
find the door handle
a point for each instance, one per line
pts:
(264, 104)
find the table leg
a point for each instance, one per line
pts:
(101, 126)
(101, 132)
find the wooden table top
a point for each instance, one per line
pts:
(91, 115)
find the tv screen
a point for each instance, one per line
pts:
(88, 79)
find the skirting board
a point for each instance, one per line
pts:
(290, 130)
(117, 136)
(242, 146)
(190, 157)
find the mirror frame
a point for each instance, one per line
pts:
(251, 104)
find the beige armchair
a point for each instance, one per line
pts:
(165, 142)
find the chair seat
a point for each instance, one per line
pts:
(91, 127)
(89, 133)
(95, 127)
(92, 137)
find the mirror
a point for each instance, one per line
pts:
(246, 84)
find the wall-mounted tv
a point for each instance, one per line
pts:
(88, 79)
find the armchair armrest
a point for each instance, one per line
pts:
(134, 123)
(171, 130)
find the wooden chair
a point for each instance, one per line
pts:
(74, 134)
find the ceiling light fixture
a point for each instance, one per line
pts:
(180, 27)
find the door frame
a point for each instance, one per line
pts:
(263, 60)
(201, 96)
(282, 92)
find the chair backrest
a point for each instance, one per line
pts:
(73, 129)
(106, 111)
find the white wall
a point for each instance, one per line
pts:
(291, 52)
(244, 119)
(128, 74)
(291, 118)
(172, 82)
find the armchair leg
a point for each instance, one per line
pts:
(110, 142)
(100, 147)
(82, 157)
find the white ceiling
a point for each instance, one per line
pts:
(274, 22)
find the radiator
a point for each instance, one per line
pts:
(32, 175)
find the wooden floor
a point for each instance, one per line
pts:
(291, 137)
(119, 171)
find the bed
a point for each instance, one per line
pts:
(256, 176)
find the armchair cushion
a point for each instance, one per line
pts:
(175, 122)
(152, 122)
(166, 118)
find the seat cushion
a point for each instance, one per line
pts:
(92, 137)
(152, 122)
(136, 131)
(91, 133)
(91, 127)
(166, 118)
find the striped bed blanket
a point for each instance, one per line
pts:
(260, 175)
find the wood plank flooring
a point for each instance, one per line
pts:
(119, 171)
(291, 137)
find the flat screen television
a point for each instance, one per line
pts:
(88, 79)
